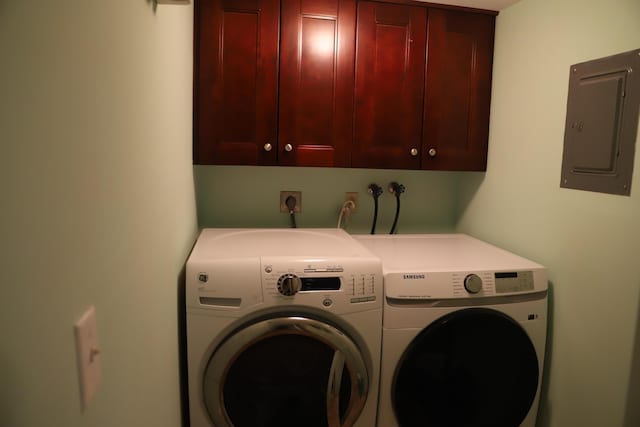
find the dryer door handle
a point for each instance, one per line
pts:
(333, 389)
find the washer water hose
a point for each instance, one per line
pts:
(396, 189)
(376, 191)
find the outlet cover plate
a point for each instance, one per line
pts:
(283, 199)
(88, 355)
(353, 196)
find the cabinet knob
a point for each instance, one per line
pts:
(288, 147)
(268, 147)
(432, 152)
(414, 152)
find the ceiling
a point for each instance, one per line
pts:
(477, 4)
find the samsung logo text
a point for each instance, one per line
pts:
(413, 276)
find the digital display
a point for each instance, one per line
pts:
(320, 283)
(507, 282)
(507, 275)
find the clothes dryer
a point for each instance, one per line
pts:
(283, 329)
(464, 333)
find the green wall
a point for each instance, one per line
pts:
(234, 196)
(589, 241)
(97, 206)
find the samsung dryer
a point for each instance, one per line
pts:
(283, 329)
(464, 333)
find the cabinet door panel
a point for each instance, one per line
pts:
(316, 82)
(390, 63)
(236, 81)
(458, 90)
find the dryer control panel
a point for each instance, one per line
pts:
(464, 284)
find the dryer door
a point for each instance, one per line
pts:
(286, 371)
(474, 367)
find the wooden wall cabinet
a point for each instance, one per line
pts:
(457, 90)
(316, 82)
(245, 114)
(417, 107)
(236, 82)
(389, 86)
(342, 83)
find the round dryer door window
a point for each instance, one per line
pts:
(286, 371)
(473, 368)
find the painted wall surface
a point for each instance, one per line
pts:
(589, 241)
(235, 196)
(98, 206)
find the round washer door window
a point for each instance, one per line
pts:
(286, 371)
(473, 368)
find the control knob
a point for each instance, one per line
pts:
(289, 284)
(473, 283)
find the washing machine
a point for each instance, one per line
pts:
(464, 333)
(283, 329)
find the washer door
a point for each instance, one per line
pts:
(286, 371)
(473, 368)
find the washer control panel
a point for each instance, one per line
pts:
(317, 282)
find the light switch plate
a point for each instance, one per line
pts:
(88, 355)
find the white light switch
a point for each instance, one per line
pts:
(88, 354)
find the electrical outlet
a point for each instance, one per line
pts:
(353, 196)
(283, 201)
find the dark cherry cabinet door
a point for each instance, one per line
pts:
(458, 90)
(236, 81)
(316, 82)
(389, 88)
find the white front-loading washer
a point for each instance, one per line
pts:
(464, 333)
(283, 329)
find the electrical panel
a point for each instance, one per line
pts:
(602, 124)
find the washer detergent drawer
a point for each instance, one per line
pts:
(227, 285)
(286, 371)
